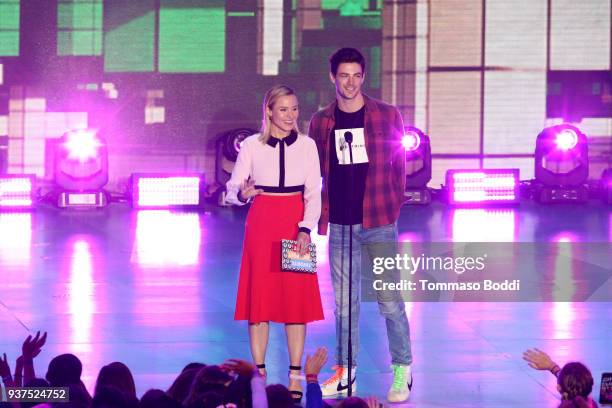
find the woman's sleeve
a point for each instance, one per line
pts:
(240, 173)
(312, 189)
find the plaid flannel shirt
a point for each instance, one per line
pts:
(386, 178)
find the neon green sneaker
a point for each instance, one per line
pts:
(402, 383)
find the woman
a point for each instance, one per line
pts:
(278, 169)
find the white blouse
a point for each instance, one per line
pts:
(281, 165)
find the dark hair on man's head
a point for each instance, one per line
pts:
(346, 55)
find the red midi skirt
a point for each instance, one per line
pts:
(265, 292)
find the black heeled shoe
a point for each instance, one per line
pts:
(295, 394)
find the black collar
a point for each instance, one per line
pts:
(289, 140)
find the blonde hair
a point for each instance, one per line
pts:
(270, 99)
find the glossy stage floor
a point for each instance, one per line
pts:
(156, 290)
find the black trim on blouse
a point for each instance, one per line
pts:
(289, 140)
(288, 189)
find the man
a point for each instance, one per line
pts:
(363, 189)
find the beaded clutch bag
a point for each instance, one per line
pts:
(291, 260)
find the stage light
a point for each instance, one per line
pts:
(16, 191)
(561, 165)
(566, 139)
(227, 147)
(411, 140)
(166, 190)
(418, 166)
(82, 145)
(606, 186)
(490, 186)
(81, 169)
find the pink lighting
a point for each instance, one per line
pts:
(484, 186)
(16, 191)
(165, 239)
(15, 241)
(82, 145)
(81, 305)
(566, 139)
(411, 141)
(484, 225)
(162, 191)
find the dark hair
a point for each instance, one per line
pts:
(179, 390)
(79, 397)
(109, 397)
(575, 380)
(279, 396)
(352, 402)
(157, 399)
(193, 365)
(239, 392)
(209, 378)
(64, 370)
(117, 375)
(578, 402)
(346, 55)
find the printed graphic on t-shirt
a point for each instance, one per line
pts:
(360, 155)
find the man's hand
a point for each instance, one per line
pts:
(303, 239)
(248, 190)
(31, 346)
(538, 359)
(315, 362)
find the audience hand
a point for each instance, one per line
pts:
(241, 367)
(5, 369)
(373, 402)
(315, 362)
(31, 346)
(538, 359)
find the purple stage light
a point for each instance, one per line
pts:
(80, 164)
(16, 191)
(411, 140)
(82, 145)
(566, 139)
(166, 190)
(491, 186)
(561, 156)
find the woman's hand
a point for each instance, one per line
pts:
(248, 190)
(303, 239)
(538, 359)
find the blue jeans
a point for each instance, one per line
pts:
(390, 304)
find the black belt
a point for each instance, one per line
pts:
(289, 189)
